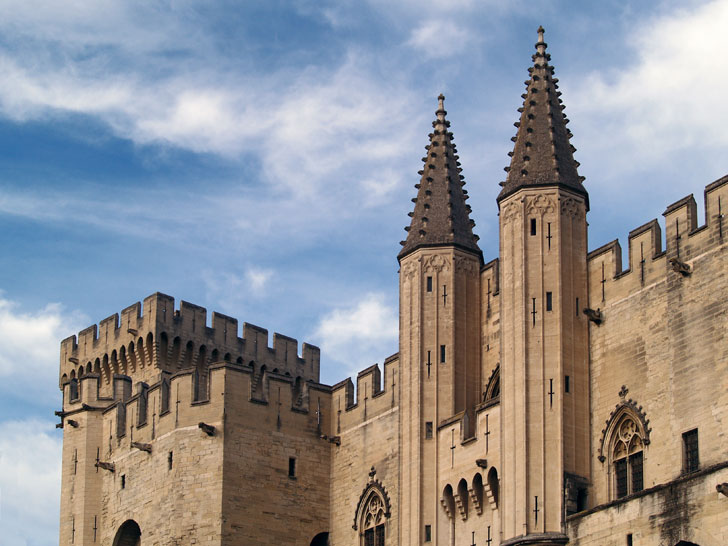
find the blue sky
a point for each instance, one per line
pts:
(258, 158)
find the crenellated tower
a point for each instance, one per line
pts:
(439, 326)
(544, 334)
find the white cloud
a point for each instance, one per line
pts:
(30, 347)
(359, 335)
(258, 278)
(30, 482)
(438, 39)
(670, 98)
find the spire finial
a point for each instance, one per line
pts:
(541, 45)
(441, 108)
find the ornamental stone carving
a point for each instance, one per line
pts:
(466, 265)
(540, 204)
(512, 211)
(571, 207)
(436, 263)
(409, 270)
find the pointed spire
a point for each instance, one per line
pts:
(441, 216)
(542, 154)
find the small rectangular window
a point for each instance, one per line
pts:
(691, 460)
(428, 533)
(533, 226)
(123, 481)
(291, 467)
(629, 539)
(169, 460)
(429, 284)
(566, 384)
(442, 353)
(549, 301)
(635, 465)
(577, 307)
(428, 430)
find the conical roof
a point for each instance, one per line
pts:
(440, 217)
(542, 155)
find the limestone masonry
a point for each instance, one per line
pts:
(551, 395)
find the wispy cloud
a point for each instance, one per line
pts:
(360, 334)
(667, 99)
(30, 482)
(29, 345)
(438, 39)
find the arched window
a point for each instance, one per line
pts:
(373, 520)
(626, 449)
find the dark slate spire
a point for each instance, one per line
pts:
(441, 216)
(542, 155)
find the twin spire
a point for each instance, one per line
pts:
(542, 155)
(441, 217)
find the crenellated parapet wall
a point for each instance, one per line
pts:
(374, 395)
(686, 244)
(145, 340)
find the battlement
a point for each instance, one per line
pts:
(372, 398)
(144, 340)
(132, 407)
(648, 263)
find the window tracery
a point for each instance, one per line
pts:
(627, 457)
(373, 521)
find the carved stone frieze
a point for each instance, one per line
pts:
(409, 270)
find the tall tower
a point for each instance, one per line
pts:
(544, 351)
(439, 325)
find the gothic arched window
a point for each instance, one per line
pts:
(373, 521)
(627, 449)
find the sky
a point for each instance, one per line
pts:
(258, 158)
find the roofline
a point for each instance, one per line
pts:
(478, 252)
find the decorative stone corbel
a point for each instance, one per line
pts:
(106, 466)
(142, 447)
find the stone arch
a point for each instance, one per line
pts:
(176, 353)
(201, 374)
(492, 487)
(372, 515)
(372, 490)
(142, 353)
(492, 389)
(129, 534)
(215, 356)
(448, 501)
(228, 357)
(189, 350)
(461, 499)
(97, 365)
(130, 353)
(163, 349)
(322, 539)
(150, 349)
(625, 441)
(637, 414)
(123, 362)
(477, 493)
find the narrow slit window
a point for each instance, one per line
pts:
(170, 458)
(291, 467)
(549, 301)
(577, 307)
(566, 383)
(629, 539)
(428, 430)
(428, 533)
(442, 353)
(533, 226)
(429, 284)
(123, 481)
